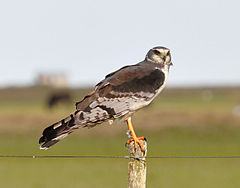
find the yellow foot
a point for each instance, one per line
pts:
(137, 141)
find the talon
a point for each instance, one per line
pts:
(134, 137)
(137, 141)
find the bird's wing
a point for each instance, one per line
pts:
(125, 90)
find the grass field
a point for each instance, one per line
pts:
(181, 122)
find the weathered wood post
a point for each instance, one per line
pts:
(137, 166)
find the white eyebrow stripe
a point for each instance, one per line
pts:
(163, 51)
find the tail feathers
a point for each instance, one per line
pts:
(56, 132)
(89, 118)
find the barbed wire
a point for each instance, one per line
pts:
(117, 157)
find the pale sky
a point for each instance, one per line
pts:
(89, 39)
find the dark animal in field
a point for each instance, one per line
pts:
(58, 98)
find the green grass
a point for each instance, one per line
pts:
(179, 123)
(113, 172)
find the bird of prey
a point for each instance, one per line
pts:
(118, 96)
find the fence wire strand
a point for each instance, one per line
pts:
(117, 157)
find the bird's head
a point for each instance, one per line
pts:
(159, 55)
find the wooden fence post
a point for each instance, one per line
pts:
(137, 166)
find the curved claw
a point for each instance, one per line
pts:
(137, 141)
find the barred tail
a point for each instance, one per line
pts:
(89, 118)
(56, 132)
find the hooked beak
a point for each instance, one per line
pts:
(170, 64)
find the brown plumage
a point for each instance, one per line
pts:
(119, 95)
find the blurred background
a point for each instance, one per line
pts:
(52, 53)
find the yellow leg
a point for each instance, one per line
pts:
(134, 137)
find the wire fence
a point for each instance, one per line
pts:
(117, 157)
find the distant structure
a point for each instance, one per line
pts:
(52, 80)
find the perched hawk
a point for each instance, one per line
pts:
(119, 95)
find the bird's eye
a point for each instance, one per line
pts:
(156, 52)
